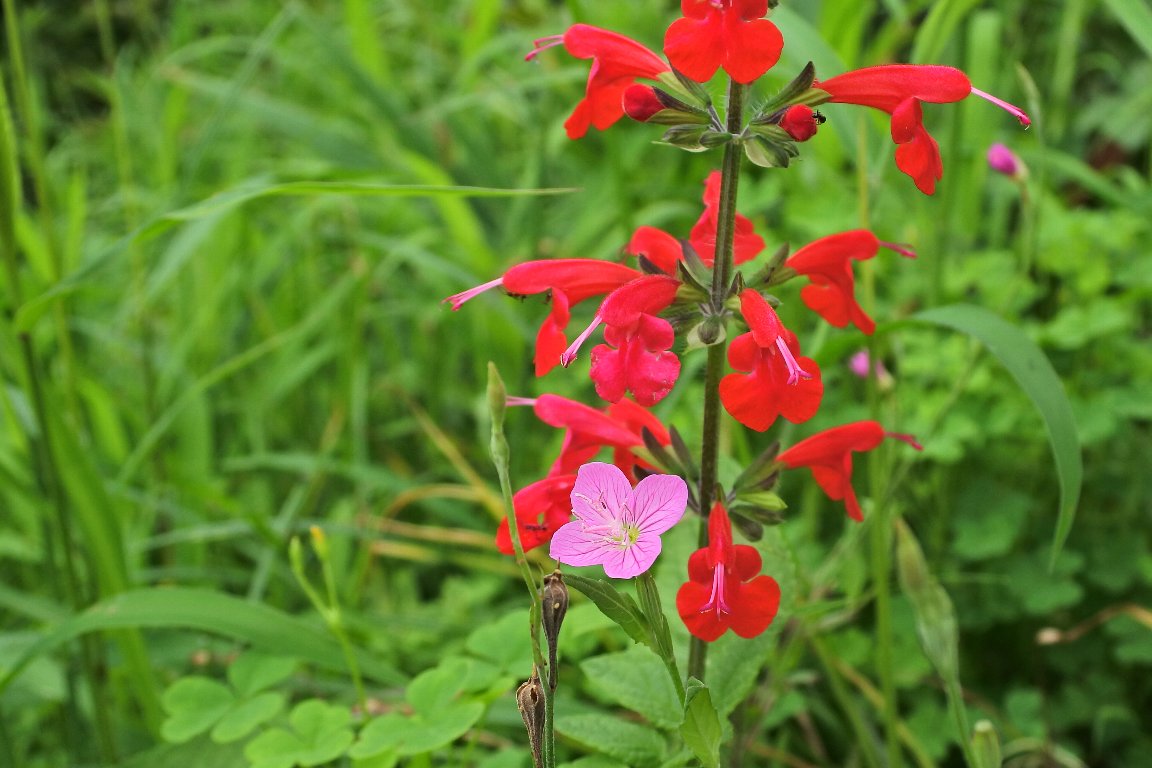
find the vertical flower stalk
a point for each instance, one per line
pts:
(714, 369)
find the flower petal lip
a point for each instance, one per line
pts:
(723, 33)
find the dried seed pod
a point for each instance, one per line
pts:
(530, 701)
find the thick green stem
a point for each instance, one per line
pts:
(718, 295)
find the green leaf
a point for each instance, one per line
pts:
(733, 666)
(632, 744)
(1136, 17)
(400, 735)
(1034, 374)
(435, 688)
(619, 607)
(635, 679)
(194, 704)
(935, 617)
(243, 716)
(261, 626)
(505, 642)
(321, 733)
(701, 727)
(253, 672)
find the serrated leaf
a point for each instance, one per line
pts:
(194, 704)
(635, 745)
(243, 716)
(1032, 371)
(701, 726)
(619, 607)
(638, 680)
(253, 672)
(734, 665)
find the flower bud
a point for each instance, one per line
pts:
(1003, 160)
(553, 606)
(801, 121)
(707, 332)
(640, 102)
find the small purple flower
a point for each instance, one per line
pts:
(1003, 160)
(617, 526)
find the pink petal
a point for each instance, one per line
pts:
(572, 545)
(658, 503)
(633, 560)
(600, 494)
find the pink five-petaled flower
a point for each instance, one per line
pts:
(540, 508)
(723, 33)
(616, 526)
(721, 593)
(617, 62)
(827, 263)
(570, 281)
(899, 89)
(829, 455)
(779, 382)
(636, 358)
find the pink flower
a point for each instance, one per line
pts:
(723, 33)
(778, 382)
(617, 63)
(636, 357)
(724, 590)
(617, 526)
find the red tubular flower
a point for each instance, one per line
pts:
(829, 455)
(800, 122)
(570, 281)
(656, 245)
(723, 33)
(827, 263)
(779, 382)
(540, 508)
(723, 590)
(746, 245)
(617, 62)
(636, 357)
(899, 89)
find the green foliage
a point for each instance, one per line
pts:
(197, 704)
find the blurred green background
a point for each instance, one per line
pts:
(223, 325)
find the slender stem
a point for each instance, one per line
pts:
(721, 282)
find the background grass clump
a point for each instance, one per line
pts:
(228, 229)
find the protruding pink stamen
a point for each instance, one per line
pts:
(1010, 108)
(544, 44)
(514, 400)
(904, 250)
(905, 438)
(570, 354)
(716, 601)
(795, 372)
(458, 300)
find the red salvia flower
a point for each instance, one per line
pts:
(899, 90)
(617, 62)
(746, 243)
(540, 508)
(570, 282)
(829, 455)
(587, 430)
(723, 590)
(778, 381)
(656, 245)
(723, 33)
(827, 262)
(636, 357)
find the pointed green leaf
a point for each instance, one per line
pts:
(1032, 371)
(617, 606)
(701, 727)
(635, 679)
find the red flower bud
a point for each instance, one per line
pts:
(640, 102)
(801, 121)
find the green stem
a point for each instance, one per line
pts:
(721, 282)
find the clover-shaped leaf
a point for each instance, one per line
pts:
(439, 716)
(320, 733)
(199, 704)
